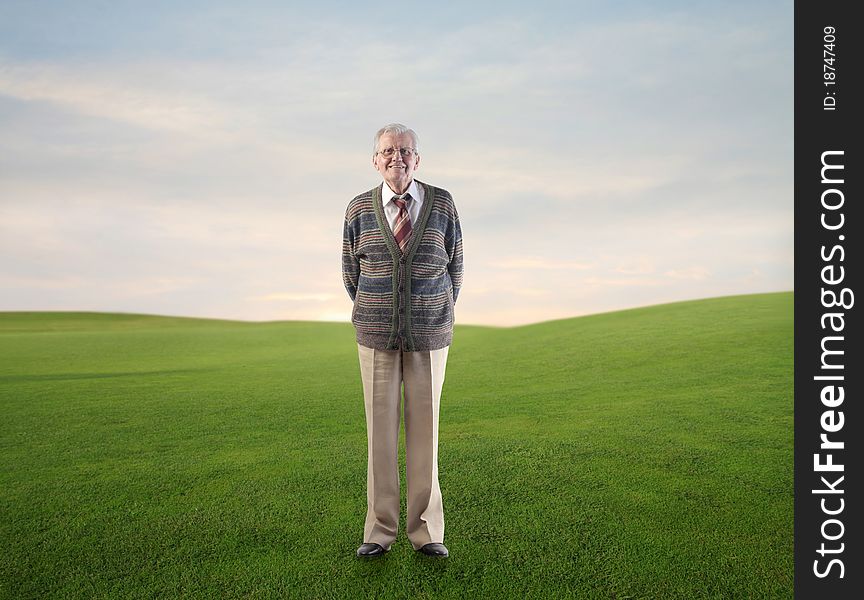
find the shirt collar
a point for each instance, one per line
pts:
(387, 194)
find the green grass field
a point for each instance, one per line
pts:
(638, 454)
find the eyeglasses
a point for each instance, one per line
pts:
(403, 152)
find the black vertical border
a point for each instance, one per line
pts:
(818, 130)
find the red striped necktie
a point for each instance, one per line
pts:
(402, 227)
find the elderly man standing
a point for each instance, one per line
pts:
(402, 267)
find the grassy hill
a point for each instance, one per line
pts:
(637, 454)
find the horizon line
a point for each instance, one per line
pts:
(249, 321)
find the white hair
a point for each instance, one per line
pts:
(395, 129)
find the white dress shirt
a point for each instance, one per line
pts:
(391, 211)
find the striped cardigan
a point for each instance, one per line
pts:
(403, 301)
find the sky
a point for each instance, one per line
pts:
(196, 158)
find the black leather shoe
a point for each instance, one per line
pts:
(370, 550)
(434, 549)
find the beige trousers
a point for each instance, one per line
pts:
(384, 373)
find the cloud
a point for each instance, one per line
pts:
(638, 266)
(696, 273)
(114, 95)
(529, 262)
(614, 282)
(293, 297)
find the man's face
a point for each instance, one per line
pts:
(397, 170)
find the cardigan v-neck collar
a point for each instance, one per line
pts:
(417, 229)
